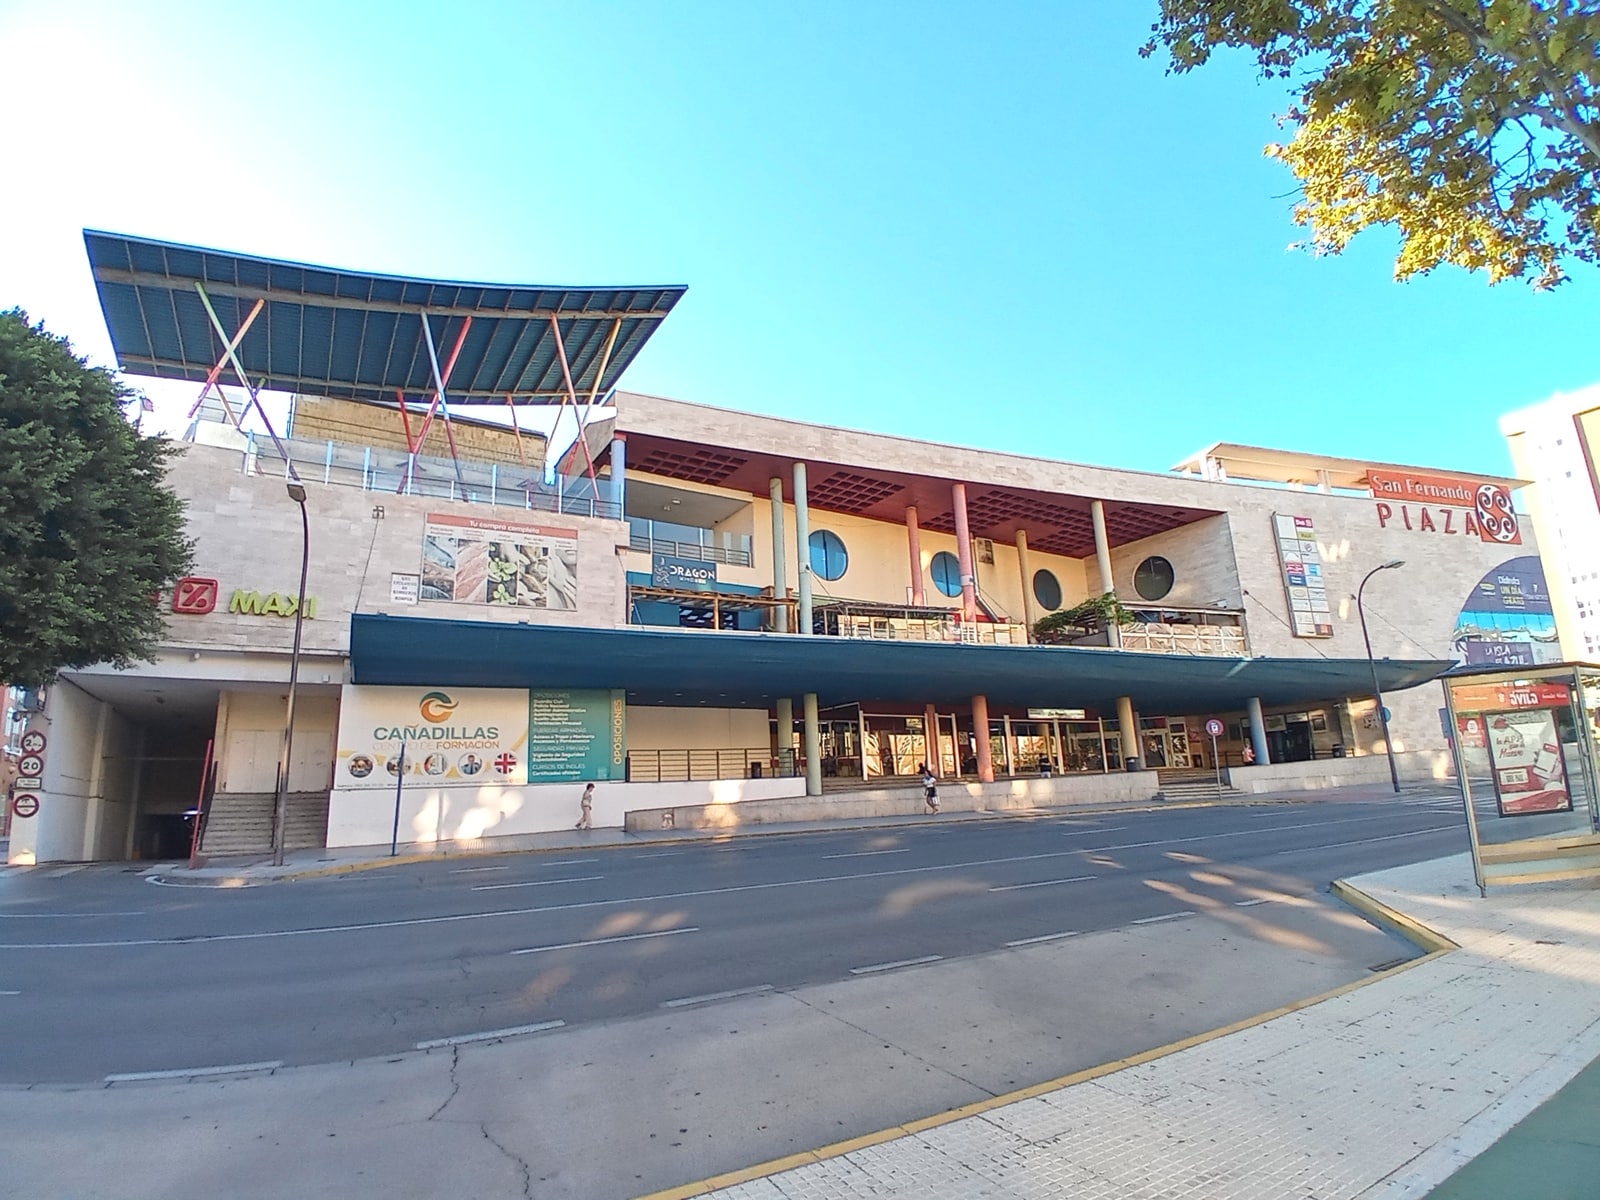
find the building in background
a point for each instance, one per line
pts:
(1555, 444)
(707, 607)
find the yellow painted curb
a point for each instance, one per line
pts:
(1381, 914)
(1436, 944)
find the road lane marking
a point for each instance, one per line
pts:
(869, 853)
(1097, 829)
(9, 993)
(42, 916)
(627, 937)
(489, 1035)
(567, 862)
(1017, 887)
(895, 966)
(1363, 841)
(1044, 937)
(500, 887)
(660, 854)
(1173, 916)
(1248, 903)
(1206, 837)
(686, 1001)
(194, 1072)
(473, 870)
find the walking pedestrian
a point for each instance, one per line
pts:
(930, 789)
(588, 807)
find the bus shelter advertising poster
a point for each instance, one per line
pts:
(472, 560)
(452, 736)
(1525, 752)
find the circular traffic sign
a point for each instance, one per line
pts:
(25, 805)
(1214, 727)
(33, 742)
(30, 765)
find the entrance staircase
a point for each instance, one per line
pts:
(1193, 784)
(241, 823)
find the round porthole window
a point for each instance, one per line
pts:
(946, 571)
(1047, 590)
(829, 559)
(1153, 578)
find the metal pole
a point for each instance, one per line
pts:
(399, 782)
(297, 493)
(1377, 692)
(1216, 763)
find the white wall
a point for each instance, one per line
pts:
(434, 815)
(250, 740)
(652, 727)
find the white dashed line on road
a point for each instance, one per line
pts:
(1044, 937)
(627, 937)
(194, 1072)
(1248, 903)
(868, 853)
(500, 887)
(892, 966)
(1017, 887)
(686, 1001)
(1188, 912)
(474, 870)
(489, 1035)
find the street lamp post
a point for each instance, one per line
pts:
(1377, 692)
(297, 493)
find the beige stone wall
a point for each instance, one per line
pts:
(247, 536)
(320, 419)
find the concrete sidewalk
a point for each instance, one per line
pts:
(1383, 1090)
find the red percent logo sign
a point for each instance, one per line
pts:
(194, 596)
(25, 805)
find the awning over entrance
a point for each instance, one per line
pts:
(736, 670)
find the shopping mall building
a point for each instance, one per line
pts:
(713, 615)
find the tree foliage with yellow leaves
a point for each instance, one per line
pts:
(1471, 126)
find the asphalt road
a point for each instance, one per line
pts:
(103, 973)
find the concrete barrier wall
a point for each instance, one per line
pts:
(903, 800)
(1416, 766)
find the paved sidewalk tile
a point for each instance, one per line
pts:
(1378, 1093)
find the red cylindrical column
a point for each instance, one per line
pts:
(969, 592)
(980, 729)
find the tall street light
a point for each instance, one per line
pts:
(1377, 692)
(297, 493)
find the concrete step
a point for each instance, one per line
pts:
(241, 823)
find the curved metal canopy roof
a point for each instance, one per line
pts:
(360, 336)
(734, 670)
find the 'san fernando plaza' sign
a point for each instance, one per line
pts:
(475, 736)
(1442, 504)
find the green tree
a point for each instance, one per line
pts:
(1471, 126)
(89, 532)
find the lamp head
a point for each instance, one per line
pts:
(297, 491)
(1392, 564)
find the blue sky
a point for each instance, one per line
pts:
(991, 225)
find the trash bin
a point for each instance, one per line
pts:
(755, 770)
(1131, 764)
(1338, 750)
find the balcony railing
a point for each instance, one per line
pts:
(926, 629)
(380, 469)
(688, 541)
(679, 766)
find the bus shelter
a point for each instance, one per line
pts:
(1525, 743)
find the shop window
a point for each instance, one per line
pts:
(1047, 590)
(946, 571)
(1154, 578)
(829, 559)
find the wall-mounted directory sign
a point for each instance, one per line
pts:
(1303, 581)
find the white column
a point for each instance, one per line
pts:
(780, 564)
(1258, 730)
(802, 549)
(1127, 729)
(814, 747)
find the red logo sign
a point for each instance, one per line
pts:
(25, 805)
(194, 596)
(506, 764)
(1430, 498)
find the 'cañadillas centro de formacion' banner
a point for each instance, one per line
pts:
(475, 736)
